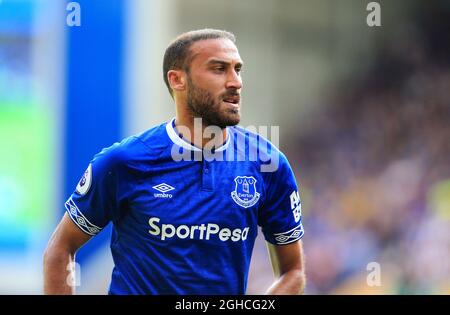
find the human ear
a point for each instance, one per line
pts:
(177, 80)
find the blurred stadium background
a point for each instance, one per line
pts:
(364, 116)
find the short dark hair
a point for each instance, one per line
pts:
(177, 53)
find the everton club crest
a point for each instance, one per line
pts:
(245, 193)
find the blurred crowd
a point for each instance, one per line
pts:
(374, 170)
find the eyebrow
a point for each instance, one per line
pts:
(223, 62)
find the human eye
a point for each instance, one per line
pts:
(219, 69)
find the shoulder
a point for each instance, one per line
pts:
(144, 145)
(255, 139)
(265, 151)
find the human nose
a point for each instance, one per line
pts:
(234, 80)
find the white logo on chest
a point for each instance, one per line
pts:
(163, 188)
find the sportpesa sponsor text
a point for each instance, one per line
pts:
(202, 232)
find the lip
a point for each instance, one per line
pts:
(235, 105)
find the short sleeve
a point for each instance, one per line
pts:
(93, 204)
(280, 216)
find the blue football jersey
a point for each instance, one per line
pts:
(184, 220)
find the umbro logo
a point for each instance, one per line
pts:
(163, 188)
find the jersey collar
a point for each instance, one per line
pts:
(174, 136)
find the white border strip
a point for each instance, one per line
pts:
(288, 240)
(173, 135)
(70, 203)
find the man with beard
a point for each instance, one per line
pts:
(187, 226)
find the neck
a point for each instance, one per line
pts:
(200, 135)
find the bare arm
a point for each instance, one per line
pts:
(289, 268)
(60, 252)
